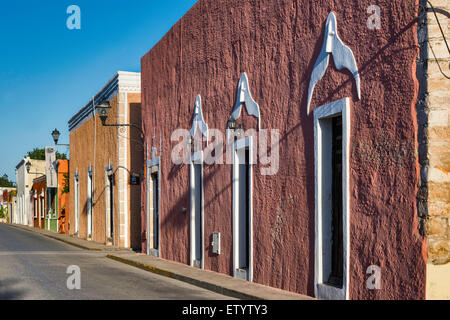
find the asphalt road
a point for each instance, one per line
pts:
(34, 267)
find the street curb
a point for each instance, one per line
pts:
(56, 238)
(74, 244)
(195, 282)
(187, 279)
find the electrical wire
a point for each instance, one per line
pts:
(425, 9)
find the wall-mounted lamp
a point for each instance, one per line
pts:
(56, 134)
(28, 167)
(104, 108)
(231, 124)
(109, 171)
(238, 128)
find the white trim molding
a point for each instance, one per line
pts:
(90, 209)
(153, 166)
(245, 97)
(342, 56)
(77, 202)
(109, 211)
(322, 163)
(199, 121)
(122, 81)
(242, 144)
(197, 159)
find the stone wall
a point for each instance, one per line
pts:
(437, 224)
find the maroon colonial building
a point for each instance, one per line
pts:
(283, 146)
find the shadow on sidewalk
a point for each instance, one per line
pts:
(8, 290)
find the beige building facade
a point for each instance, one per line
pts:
(23, 213)
(104, 201)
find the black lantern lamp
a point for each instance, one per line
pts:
(238, 128)
(104, 108)
(55, 135)
(28, 166)
(231, 123)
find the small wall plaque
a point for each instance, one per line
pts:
(216, 243)
(135, 179)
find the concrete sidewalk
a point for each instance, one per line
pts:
(210, 280)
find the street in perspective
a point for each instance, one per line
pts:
(235, 158)
(35, 267)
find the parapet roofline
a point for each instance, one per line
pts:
(121, 81)
(39, 179)
(20, 164)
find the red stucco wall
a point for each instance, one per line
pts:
(40, 188)
(277, 43)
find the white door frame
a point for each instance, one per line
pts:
(322, 132)
(242, 144)
(77, 203)
(89, 224)
(109, 196)
(152, 164)
(196, 158)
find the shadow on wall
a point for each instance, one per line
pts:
(373, 62)
(177, 219)
(136, 166)
(8, 290)
(184, 200)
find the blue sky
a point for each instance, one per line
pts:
(48, 72)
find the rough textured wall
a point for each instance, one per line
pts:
(277, 43)
(81, 157)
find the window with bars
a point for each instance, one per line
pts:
(332, 214)
(337, 258)
(42, 207)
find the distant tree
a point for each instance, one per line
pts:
(36, 154)
(66, 184)
(2, 213)
(5, 183)
(39, 154)
(61, 156)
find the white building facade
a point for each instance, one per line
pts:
(24, 214)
